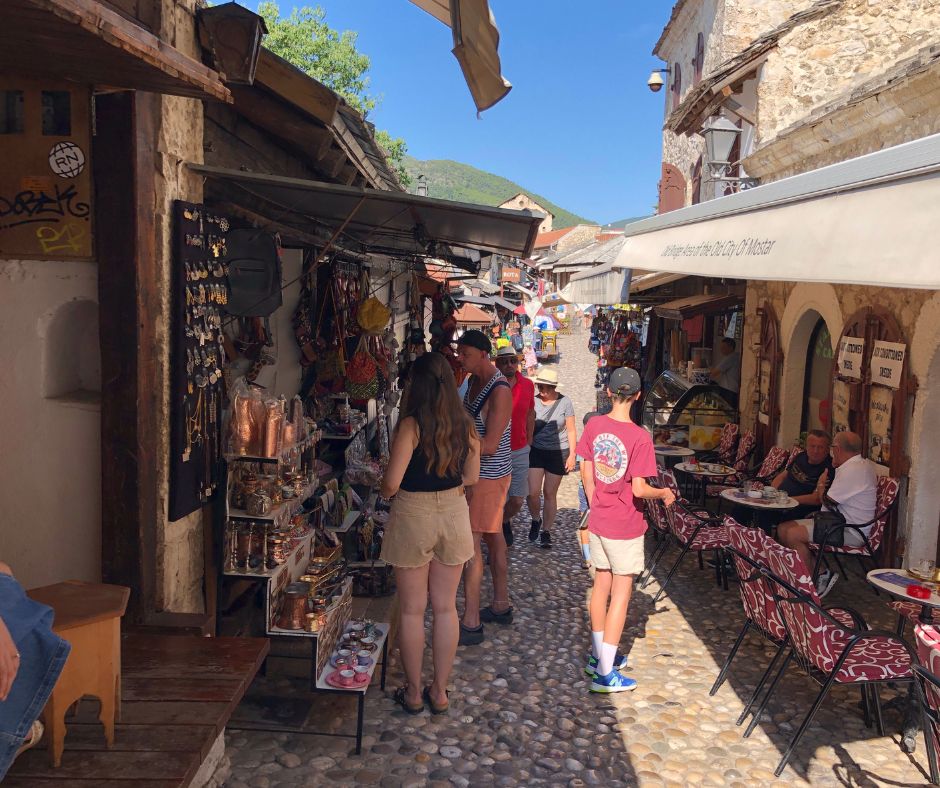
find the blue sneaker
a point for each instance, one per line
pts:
(612, 682)
(590, 670)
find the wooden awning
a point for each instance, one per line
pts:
(692, 306)
(85, 41)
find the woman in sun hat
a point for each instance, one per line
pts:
(552, 454)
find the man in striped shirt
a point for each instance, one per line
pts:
(489, 402)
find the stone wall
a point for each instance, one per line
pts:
(180, 560)
(825, 57)
(522, 202)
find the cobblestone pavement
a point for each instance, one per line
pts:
(521, 713)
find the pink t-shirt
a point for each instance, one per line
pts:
(620, 451)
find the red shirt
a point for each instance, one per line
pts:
(523, 400)
(620, 451)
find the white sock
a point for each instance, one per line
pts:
(597, 638)
(605, 662)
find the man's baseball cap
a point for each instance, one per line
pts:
(624, 381)
(477, 339)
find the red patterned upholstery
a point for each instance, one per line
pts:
(888, 488)
(745, 447)
(795, 452)
(775, 460)
(911, 611)
(728, 443)
(689, 530)
(820, 643)
(756, 597)
(928, 653)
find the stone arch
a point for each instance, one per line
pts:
(806, 304)
(923, 499)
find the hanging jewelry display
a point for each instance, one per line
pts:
(197, 357)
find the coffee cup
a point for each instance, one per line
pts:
(347, 677)
(361, 670)
(364, 658)
(753, 493)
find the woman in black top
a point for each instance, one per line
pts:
(435, 452)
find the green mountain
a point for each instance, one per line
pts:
(451, 180)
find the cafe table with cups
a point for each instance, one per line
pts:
(701, 473)
(757, 497)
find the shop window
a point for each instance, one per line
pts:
(71, 354)
(56, 113)
(816, 404)
(11, 111)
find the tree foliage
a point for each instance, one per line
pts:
(305, 40)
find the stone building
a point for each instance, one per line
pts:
(523, 202)
(826, 94)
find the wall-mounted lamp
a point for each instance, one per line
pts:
(656, 82)
(720, 135)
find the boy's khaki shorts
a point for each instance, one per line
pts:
(619, 556)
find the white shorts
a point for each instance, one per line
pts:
(852, 538)
(620, 556)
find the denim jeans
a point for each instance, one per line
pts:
(42, 657)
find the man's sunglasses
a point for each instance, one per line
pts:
(507, 360)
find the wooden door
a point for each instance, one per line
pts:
(769, 362)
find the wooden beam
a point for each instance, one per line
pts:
(744, 113)
(292, 85)
(131, 381)
(349, 174)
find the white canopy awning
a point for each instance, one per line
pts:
(476, 46)
(870, 221)
(603, 285)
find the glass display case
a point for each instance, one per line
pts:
(681, 413)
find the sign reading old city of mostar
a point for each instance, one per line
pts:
(746, 247)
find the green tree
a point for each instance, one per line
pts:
(329, 56)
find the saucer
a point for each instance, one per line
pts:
(360, 681)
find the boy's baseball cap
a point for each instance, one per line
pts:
(624, 381)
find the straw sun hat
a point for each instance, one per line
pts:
(547, 377)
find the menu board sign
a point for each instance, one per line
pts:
(851, 351)
(887, 363)
(840, 406)
(879, 424)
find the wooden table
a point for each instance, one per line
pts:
(88, 616)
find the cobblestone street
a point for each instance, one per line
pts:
(521, 713)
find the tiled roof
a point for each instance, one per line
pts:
(676, 10)
(470, 313)
(543, 240)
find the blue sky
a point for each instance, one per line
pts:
(579, 126)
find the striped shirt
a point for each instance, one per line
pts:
(499, 464)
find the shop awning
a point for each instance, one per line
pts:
(485, 301)
(86, 41)
(470, 315)
(603, 285)
(869, 221)
(476, 46)
(388, 222)
(643, 282)
(693, 306)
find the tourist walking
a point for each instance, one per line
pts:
(552, 456)
(617, 457)
(434, 455)
(489, 402)
(531, 360)
(522, 426)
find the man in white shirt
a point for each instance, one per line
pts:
(727, 372)
(854, 490)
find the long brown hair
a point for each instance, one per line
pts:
(443, 424)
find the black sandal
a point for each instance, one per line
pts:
(399, 698)
(435, 709)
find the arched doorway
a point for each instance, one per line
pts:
(816, 380)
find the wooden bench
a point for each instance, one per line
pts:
(178, 693)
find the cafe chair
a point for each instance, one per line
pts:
(727, 445)
(828, 650)
(771, 465)
(927, 675)
(741, 460)
(910, 611)
(660, 528)
(696, 530)
(795, 451)
(885, 501)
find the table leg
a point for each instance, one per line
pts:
(926, 614)
(384, 661)
(362, 701)
(313, 664)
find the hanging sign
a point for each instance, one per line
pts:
(851, 350)
(887, 361)
(511, 274)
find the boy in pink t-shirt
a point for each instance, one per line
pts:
(617, 457)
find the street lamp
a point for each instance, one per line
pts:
(720, 135)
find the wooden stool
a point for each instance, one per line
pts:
(88, 616)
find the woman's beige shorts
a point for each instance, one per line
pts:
(426, 525)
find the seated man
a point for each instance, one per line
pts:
(798, 481)
(854, 491)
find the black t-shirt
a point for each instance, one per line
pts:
(802, 476)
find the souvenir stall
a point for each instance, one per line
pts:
(616, 339)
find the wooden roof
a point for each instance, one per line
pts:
(84, 41)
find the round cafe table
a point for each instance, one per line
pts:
(673, 453)
(757, 504)
(700, 476)
(896, 582)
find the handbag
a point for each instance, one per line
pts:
(823, 521)
(362, 373)
(541, 424)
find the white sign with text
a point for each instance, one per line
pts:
(851, 351)
(887, 362)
